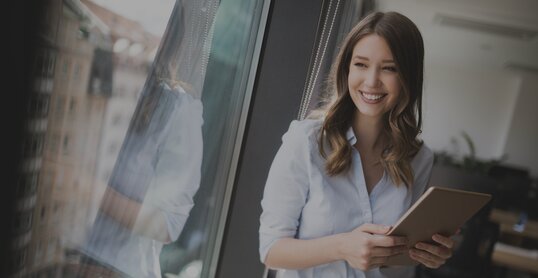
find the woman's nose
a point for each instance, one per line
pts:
(372, 77)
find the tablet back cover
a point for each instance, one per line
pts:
(439, 210)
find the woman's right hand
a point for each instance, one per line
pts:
(368, 246)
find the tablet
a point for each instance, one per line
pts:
(439, 210)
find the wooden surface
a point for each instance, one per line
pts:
(507, 219)
(515, 261)
(515, 257)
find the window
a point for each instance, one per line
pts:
(27, 184)
(45, 61)
(72, 105)
(20, 258)
(39, 106)
(59, 107)
(23, 222)
(65, 68)
(65, 145)
(180, 149)
(34, 145)
(76, 72)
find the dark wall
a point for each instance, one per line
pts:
(20, 23)
(289, 38)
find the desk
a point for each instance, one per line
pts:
(507, 219)
(512, 256)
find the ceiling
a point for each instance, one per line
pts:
(478, 34)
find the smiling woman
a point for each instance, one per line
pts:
(360, 163)
(373, 78)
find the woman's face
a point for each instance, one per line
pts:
(373, 80)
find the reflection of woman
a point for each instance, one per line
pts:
(151, 191)
(339, 182)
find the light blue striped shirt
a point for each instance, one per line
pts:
(302, 201)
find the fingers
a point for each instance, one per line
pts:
(374, 228)
(387, 241)
(388, 251)
(426, 258)
(438, 251)
(445, 241)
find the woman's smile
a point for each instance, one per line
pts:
(371, 97)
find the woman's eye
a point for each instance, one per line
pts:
(360, 65)
(390, 68)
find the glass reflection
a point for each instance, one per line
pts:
(117, 144)
(150, 193)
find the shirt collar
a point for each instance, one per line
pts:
(350, 135)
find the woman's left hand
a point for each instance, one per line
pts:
(433, 255)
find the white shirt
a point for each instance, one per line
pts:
(159, 167)
(301, 201)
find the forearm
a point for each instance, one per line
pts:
(150, 222)
(291, 253)
(134, 216)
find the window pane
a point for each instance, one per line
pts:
(136, 113)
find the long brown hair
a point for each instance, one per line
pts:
(403, 122)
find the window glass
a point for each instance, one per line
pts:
(336, 23)
(141, 104)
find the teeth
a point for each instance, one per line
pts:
(372, 96)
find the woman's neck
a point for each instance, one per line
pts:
(367, 131)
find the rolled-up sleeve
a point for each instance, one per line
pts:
(286, 189)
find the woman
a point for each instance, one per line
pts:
(150, 193)
(338, 182)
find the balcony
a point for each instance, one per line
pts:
(31, 164)
(22, 240)
(43, 84)
(38, 125)
(26, 202)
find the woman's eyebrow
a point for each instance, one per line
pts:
(366, 58)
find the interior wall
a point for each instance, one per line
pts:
(479, 103)
(522, 138)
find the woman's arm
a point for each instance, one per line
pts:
(364, 248)
(141, 219)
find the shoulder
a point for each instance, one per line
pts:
(303, 131)
(423, 160)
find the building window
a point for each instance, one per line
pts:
(72, 105)
(65, 144)
(39, 106)
(59, 107)
(23, 222)
(65, 68)
(76, 72)
(45, 61)
(56, 213)
(54, 142)
(20, 258)
(34, 145)
(27, 184)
